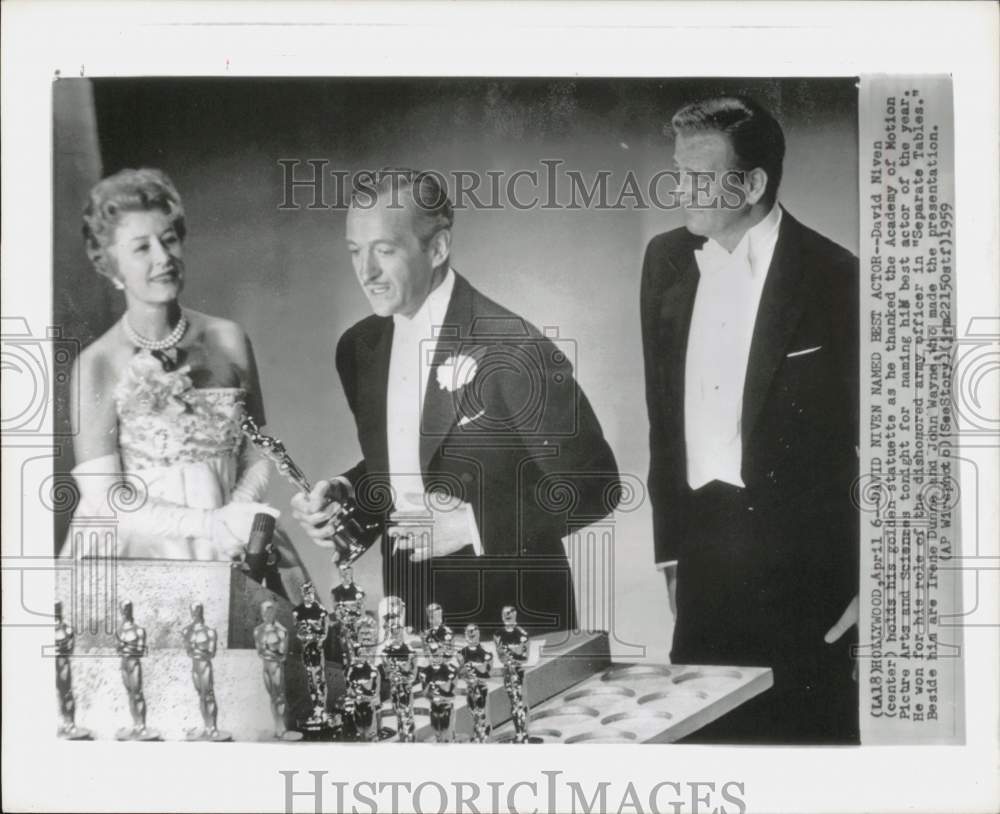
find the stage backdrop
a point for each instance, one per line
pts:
(285, 274)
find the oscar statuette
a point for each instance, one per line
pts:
(271, 640)
(438, 679)
(399, 662)
(130, 643)
(352, 536)
(311, 628)
(361, 702)
(201, 643)
(65, 641)
(512, 649)
(476, 665)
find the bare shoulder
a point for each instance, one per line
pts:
(217, 328)
(225, 334)
(96, 373)
(100, 364)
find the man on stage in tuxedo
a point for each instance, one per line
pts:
(749, 326)
(480, 451)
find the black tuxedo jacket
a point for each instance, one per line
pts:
(799, 419)
(520, 443)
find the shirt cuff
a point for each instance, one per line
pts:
(663, 566)
(477, 543)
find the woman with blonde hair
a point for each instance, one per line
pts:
(160, 395)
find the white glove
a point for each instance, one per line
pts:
(255, 472)
(158, 527)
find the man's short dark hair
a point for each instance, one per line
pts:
(755, 134)
(426, 190)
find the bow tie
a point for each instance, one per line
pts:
(712, 259)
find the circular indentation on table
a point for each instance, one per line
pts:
(637, 672)
(602, 696)
(567, 714)
(604, 736)
(708, 679)
(674, 697)
(638, 717)
(546, 735)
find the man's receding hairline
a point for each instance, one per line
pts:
(418, 215)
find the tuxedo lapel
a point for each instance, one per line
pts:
(778, 314)
(373, 360)
(441, 406)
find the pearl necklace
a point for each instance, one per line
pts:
(155, 344)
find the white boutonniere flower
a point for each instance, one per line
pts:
(456, 372)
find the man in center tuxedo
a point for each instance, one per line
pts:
(480, 452)
(749, 325)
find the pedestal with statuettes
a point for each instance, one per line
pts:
(198, 651)
(150, 649)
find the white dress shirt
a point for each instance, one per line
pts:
(725, 310)
(722, 322)
(414, 340)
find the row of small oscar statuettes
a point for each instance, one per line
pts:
(201, 643)
(360, 713)
(441, 665)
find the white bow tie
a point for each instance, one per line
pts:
(712, 259)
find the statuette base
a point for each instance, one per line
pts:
(218, 736)
(319, 730)
(512, 739)
(128, 733)
(74, 733)
(290, 736)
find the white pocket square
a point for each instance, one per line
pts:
(465, 419)
(803, 352)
